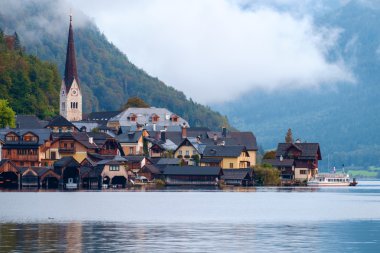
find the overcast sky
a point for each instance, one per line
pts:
(214, 50)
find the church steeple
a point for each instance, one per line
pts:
(71, 64)
(71, 94)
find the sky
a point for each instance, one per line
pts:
(217, 50)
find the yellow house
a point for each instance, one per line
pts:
(229, 157)
(132, 143)
(190, 149)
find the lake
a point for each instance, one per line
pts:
(278, 219)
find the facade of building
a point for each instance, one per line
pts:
(71, 94)
(305, 158)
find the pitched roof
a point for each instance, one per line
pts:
(211, 160)
(192, 170)
(67, 161)
(130, 137)
(279, 163)
(71, 72)
(60, 121)
(101, 117)
(144, 116)
(151, 169)
(134, 158)
(237, 174)
(308, 150)
(223, 151)
(43, 134)
(169, 161)
(28, 121)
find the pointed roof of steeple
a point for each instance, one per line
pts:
(71, 64)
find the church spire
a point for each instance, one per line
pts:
(71, 64)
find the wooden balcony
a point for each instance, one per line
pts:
(66, 150)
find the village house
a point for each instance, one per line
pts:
(160, 117)
(190, 150)
(78, 145)
(232, 157)
(132, 143)
(114, 173)
(297, 159)
(23, 146)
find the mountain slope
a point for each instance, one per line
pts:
(344, 119)
(107, 77)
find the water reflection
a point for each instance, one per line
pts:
(353, 236)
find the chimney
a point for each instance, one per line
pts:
(224, 132)
(91, 140)
(163, 136)
(184, 132)
(215, 139)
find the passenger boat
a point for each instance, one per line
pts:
(331, 179)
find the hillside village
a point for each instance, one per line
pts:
(132, 147)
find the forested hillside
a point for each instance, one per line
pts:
(31, 86)
(106, 75)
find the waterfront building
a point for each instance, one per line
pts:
(192, 175)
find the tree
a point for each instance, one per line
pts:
(17, 44)
(7, 115)
(135, 102)
(270, 155)
(289, 136)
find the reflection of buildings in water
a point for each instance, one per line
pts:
(73, 237)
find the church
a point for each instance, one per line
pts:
(70, 105)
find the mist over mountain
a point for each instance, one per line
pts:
(344, 118)
(106, 75)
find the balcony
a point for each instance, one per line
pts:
(66, 150)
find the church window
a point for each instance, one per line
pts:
(63, 106)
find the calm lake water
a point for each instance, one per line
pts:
(203, 220)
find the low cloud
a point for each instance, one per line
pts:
(216, 50)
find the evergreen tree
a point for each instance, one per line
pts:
(17, 44)
(7, 115)
(289, 136)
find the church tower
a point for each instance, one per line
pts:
(71, 94)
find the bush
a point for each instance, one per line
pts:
(267, 176)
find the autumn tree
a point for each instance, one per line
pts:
(270, 155)
(7, 115)
(289, 136)
(135, 102)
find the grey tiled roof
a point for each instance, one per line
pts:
(169, 161)
(60, 121)
(192, 170)
(42, 133)
(279, 163)
(144, 116)
(28, 121)
(130, 137)
(308, 150)
(223, 151)
(237, 174)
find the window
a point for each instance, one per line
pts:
(63, 106)
(130, 150)
(303, 172)
(231, 165)
(180, 152)
(53, 155)
(194, 152)
(187, 152)
(114, 167)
